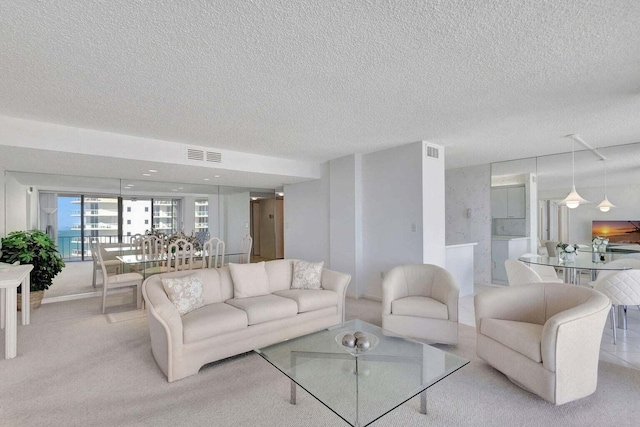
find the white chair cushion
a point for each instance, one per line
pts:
(522, 337)
(249, 280)
(184, 292)
(420, 307)
(265, 308)
(306, 275)
(211, 320)
(311, 299)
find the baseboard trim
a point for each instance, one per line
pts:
(372, 297)
(71, 297)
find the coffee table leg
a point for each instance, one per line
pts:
(293, 393)
(423, 402)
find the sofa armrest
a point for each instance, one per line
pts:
(446, 290)
(337, 282)
(165, 324)
(572, 337)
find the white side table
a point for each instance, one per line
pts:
(10, 279)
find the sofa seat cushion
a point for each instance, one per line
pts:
(420, 307)
(311, 299)
(522, 337)
(211, 320)
(265, 308)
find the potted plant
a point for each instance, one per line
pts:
(36, 248)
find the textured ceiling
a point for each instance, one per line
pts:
(316, 80)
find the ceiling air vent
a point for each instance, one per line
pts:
(432, 152)
(214, 157)
(193, 154)
(201, 155)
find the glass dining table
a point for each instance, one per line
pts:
(572, 269)
(148, 265)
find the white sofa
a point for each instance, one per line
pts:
(545, 337)
(226, 326)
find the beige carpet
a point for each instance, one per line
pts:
(74, 368)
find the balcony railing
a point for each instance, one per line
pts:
(70, 247)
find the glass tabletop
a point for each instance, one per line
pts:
(364, 388)
(580, 262)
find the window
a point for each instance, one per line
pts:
(128, 233)
(129, 210)
(128, 222)
(146, 208)
(146, 221)
(202, 214)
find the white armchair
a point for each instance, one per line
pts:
(545, 337)
(421, 301)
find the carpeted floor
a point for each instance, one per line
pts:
(76, 367)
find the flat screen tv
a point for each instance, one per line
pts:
(617, 231)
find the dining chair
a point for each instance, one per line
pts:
(110, 264)
(245, 249)
(213, 253)
(546, 272)
(551, 247)
(519, 274)
(152, 249)
(623, 289)
(180, 255)
(119, 281)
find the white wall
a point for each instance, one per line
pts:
(17, 215)
(2, 203)
(345, 217)
(470, 188)
(306, 219)
(433, 205)
(214, 216)
(391, 212)
(188, 214)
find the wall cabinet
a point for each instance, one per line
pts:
(508, 202)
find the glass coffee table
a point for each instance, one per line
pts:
(361, 388)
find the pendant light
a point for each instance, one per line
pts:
(573, 199)
(605, 205)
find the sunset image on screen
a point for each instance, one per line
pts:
(617, 231)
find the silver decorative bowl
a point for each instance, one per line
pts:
(356, 351)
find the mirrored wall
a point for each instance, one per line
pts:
(75, 209)
(527, 194)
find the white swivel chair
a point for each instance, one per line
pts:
(421, 301)
(545, 337)
(119, 281)
(213, 253)
(623, 289)
(519, 273)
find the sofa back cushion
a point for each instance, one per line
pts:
(249, 280)
(212, 291)
(280, 272)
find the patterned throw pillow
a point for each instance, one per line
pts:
(307, 275)
(184, 292)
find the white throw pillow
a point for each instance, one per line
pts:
(184, 292)
(249, 280)
(307, 275)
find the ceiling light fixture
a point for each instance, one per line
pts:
(605, 205)
(146, 174)
(206, 179)
(153, 170)
(573, 199)
(280, 194)
(216, 176)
